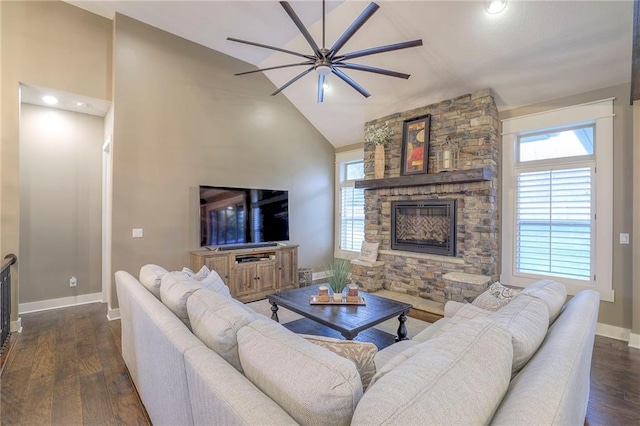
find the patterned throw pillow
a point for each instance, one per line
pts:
(495, 297)
(361, 353)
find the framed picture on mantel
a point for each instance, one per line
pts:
(415, 145)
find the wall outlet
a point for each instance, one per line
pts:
(137, 233)
(73, 282)
(624, 238)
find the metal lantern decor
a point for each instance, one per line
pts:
(447, 157)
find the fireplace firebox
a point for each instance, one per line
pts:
(424, 226)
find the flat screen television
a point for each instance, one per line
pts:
(232, 216)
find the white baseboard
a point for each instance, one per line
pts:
(613, 332)
(63, 302)
(113, 314)
(634, 341)
(16, 326)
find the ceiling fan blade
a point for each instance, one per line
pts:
(372, 69)
(305, 33)
(350, 82)
(275, 68)
(379, 49)
(293, 80)
(320, 88)
(252, 43)
(360, 20)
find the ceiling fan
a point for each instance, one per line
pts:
(325, 61)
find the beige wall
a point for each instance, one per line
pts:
(182, 119)
(47, 44)
(60, 203)
(620, 312)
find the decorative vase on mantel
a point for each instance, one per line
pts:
(378, 136)
(378, 165)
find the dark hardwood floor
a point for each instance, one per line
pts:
(66, 369)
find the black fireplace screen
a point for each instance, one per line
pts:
(424, 226)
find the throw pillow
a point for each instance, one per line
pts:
(215, 320)
(200, 275)
(552, 293)
(368, 252)
(495, 297)
(361, 353)
(312, 384)
(214, 282)
(209, 280)
(440, 381)
(151, 277)
(175, 289)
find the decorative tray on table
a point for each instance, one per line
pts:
(313, 300)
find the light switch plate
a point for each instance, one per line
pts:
(624, 238)
(137, 233)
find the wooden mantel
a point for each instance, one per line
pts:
(459, 176)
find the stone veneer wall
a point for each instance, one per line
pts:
(471, 121)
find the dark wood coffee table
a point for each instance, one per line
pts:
(349, 320)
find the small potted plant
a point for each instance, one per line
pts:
(378, 136)
(339, 278)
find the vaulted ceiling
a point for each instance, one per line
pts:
(532, 52)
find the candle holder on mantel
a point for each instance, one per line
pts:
(447, 157)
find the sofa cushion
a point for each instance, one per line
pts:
(215, 319)
(312, 384)
(495, 297)
(465, 313)
(526, 318)
(552, 293)
(175, 289)
(457, 378)
(388, 353)
(432, 331)
(151, 276)
(360, 353)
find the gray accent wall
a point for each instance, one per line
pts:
(182, 119)
(60, 203)
(618, 313)
(47, 44)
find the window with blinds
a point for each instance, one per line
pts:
(557, 198)
(352, 220)
(351, 206)
(554, 223)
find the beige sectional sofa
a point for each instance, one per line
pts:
(202, 357)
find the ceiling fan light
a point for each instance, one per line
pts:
(323, 70)
(495, 6)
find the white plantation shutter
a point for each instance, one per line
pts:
(554, 223)
(352, 218)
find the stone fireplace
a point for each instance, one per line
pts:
(465, 262)
(427, 226)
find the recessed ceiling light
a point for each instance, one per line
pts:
(79, 104)
(50, 100)
(495, 6)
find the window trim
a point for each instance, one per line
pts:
(341, 158)
(600, 113)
